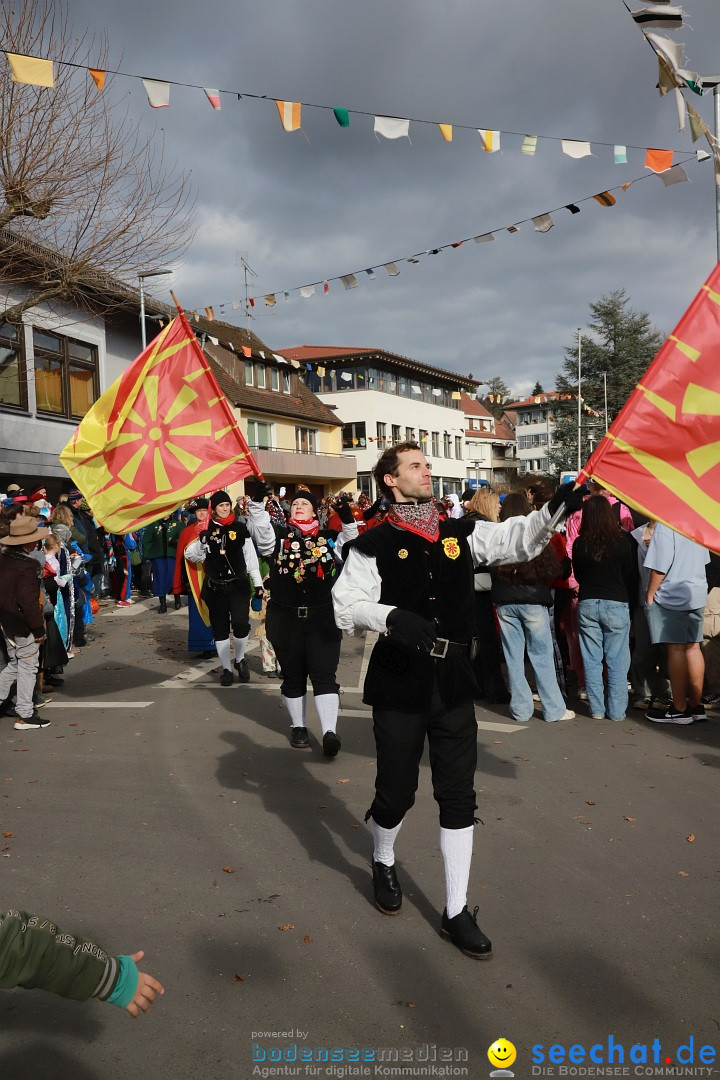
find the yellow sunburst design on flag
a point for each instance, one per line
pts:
(160, 435)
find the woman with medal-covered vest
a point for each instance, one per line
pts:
(229, 558)
(300, 622)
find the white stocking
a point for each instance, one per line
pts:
(456, 846)
(240, 644)
(296, 707)
(327, 707)
(223, 651)
(384, 843)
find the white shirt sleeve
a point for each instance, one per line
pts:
(349, 532)
(195, 552)
(356, 595)
(252, 564)
(260, 528)
(518, 539)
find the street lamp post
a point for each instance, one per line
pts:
(579, 414)
(605, 390)
(146, 273)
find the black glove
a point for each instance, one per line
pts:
(261, 494)
(415, 631)
(343, 511)
(568, 496)
(371, 511)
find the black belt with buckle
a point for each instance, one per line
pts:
(443, 648)
(299, 612)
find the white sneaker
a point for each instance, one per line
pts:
(568, 715)
(582, 694)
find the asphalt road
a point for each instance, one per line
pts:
(161, 811)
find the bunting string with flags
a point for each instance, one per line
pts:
(661, 454)
(39, 71)
(160, 435)
(542, 223)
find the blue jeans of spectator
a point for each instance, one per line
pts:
(604, 630)
(528, 626)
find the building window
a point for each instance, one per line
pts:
(13, 380)
(409, 434)
(249, 374)
(365, 484)
(66, 375)
(260, 373)
(260, 435)
(381, 433)
(447, 444)
(436, 444)
(395, 433)
(306, 440)
(354, 435)
(423, 440)
(458, 447)
(274, 379)
(286, 382)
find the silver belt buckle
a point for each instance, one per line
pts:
(302, 613)
(440, 648)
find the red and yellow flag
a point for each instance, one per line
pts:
(161, 434)
(662, 453)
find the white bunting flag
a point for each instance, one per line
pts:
(392, 269)
(543, 223)
(490, 140)
(484, 238)
(213, 97)
(158, 93)
(391, 127)
(307, 291)
(575, 149)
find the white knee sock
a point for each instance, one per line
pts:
(327, 707)
(240, 644)
(384, 843)
(296, 707)
(223, 651)
(456, 846)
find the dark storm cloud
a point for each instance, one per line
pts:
(300, 212)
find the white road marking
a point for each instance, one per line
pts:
(98, 704)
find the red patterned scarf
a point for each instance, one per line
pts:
(307, 528)
(419, 518)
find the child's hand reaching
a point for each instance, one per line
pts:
(147, 990)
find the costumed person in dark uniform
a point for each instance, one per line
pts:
(300, 623)
(227, 551)
(159, 544)
(411, 579)
(189, 578)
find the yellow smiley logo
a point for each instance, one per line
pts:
(502, 1054)
(402, 553)
(451, 547)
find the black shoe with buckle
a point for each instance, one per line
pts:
(242, 670)
(465, 933)
(388, 894)
(331, 744)
(226, 679)
(299, 738)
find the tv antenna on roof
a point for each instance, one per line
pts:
(248, 272)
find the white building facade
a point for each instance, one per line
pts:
(381, 399)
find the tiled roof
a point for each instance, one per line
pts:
(302, 404)
(330, 354)
(472, 407)
(503, 431)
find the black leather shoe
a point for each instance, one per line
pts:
(178, 603)
(226, 679)
(299, 738)
(465, 933)
(162, 609)
(331, 744)
(242, 670)
(388, 894)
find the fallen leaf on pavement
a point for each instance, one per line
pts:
(345, 781)
(287, 926)
(629, 819)
(590, 802)
(691, 838)
(307, 938)
(229, 869)
(238, 978)
(681, 873)
(8, 834)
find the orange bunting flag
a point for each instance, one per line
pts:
(98, 77)
(446, 132)
(160, 435)
(289, 114)
(605, 198)
(658, 160)
(662, 453)
(247, 351)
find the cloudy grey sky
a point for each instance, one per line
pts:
(304, 210)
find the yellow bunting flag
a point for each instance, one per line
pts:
(289, 114)
(490, 140)
(161, 434)
(446, 131)
(98, 77)
(662, 453)
(31, 70)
